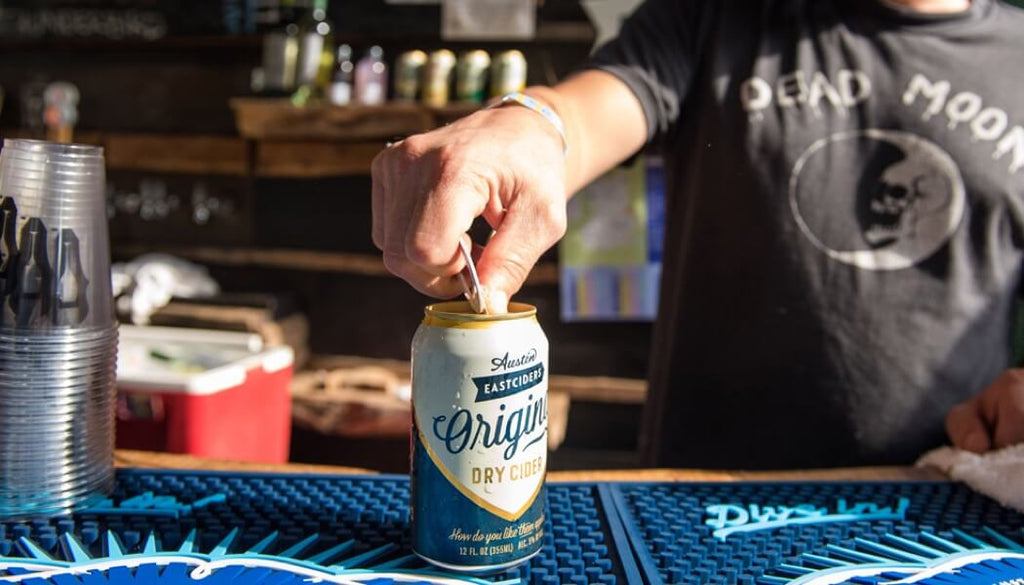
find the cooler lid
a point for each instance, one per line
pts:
(192, 361)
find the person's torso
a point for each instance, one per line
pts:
(844, 241)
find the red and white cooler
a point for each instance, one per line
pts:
(201, 392)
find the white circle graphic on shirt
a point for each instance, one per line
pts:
(877, 199)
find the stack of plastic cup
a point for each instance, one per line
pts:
(58, 336)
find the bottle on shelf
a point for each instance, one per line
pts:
(471, 76)
(407, 75)
(340, 92)
(508, 73)
(281, 52)
(437, 78)
(372, 78)
(316, 48)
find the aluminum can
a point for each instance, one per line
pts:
(471, 76)
(437, 78)
(408, 70)
(479, 437)
(508, 73)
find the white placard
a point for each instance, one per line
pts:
(463, 20)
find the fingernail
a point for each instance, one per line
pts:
(976, 441)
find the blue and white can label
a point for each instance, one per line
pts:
(479, 437)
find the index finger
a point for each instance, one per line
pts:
(439, 221)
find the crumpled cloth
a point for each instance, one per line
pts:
(997, 474)
(150, 281)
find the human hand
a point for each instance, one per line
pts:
(505, 164)
(993, 419)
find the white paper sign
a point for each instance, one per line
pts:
(488, 20)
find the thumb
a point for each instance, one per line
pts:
(526, 232)
(967, 428)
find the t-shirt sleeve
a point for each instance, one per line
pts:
(655, 55)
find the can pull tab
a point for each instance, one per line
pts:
(471, 282)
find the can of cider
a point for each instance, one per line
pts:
(408, 71)
(479, 437)
(471, 76)
(508, 73)
(437, 78)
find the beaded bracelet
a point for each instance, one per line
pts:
(533, 104)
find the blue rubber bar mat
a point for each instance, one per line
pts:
(214, 528)
(820, 533)
(272, 529)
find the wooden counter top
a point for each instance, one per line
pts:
(147, 460)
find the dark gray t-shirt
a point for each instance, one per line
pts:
(845, 222)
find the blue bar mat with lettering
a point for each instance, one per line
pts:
(213, 528)
(217, 528)
(821, 533)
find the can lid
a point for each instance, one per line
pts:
(462, 312)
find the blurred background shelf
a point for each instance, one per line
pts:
(266, 118)
(544, 274)
(277, 139)
(206, 155)
(299, 159)
(259, 118)
(164, 153)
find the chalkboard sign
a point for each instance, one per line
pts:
(124, 19)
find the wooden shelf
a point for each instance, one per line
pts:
(323, 140)
(214, 155)
(171, 153)
(277, 140)
(264, 118)
(277, 118)
(227, 155)
(308, 260)
(304, 260)
(307, 159)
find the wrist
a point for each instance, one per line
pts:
(564, 106)
(541, 106)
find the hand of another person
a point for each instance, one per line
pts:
(506, 164)
(993, 419)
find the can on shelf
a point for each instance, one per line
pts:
(408, 70)
(437, 78)
(471, 76)
(508, 73)
(479, 437)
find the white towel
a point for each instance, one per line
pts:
(997, 474)
(150, 281)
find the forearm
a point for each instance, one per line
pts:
(604, 123)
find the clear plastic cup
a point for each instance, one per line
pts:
(58, 337)
(59, 273)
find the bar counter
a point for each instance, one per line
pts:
(150, 460)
